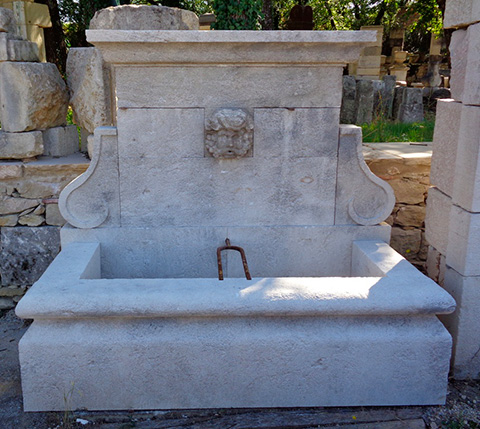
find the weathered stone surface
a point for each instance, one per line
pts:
(463, 251)
(460, 13)
(410, 107)
(466, 184)
(20, 145)
(33, 95)
(132, 17)
(408, 191)
(410, 216)
(11, 291)
(10, 171)
(388, 92)
(26, 253)
(9, 205)
(364, 101)
(88, 80)
(12, 49)
(7, 21)
(60, 141)
(53, 215)
(8, 220)
(436, 265)
(31, 219)
(465, 55)
(437, 220)
(6, 303)
(347, 112)
(445, 140)
(464, 324)
(38, 188)
(406, 242)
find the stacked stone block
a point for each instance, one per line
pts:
(453, 209)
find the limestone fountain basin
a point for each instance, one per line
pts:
(204, 343)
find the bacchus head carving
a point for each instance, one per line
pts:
(229, 133)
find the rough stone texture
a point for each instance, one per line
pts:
(410, 107)
(436, 265)
(17, 50)
(464, 324)
(26, 253)
(408, 191)
(406, 242)
(8, 220)
(459, 13)
(466, 185)
(7, 21)
(88, 80)
(410, 216)
(463, 251)
(11, 205)
(61, 141)
(33, 95)
(20, 145)
(388, 94)
(445, 140)
(53, 216)
(364, 101)
(348, 111)
(132, 17)
(465, 54)
(439, 206)
(31, 219)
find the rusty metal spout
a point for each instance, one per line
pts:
(228, 246)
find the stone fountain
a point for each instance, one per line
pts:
(230, 135)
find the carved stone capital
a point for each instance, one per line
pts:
(229, 133)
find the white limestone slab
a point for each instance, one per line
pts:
(445, 141)
(270, 362)
(231, 47)
(191, 252)
(466, 185)
(465, 54)
(463, 251)
(460, 13)
(464, 324)
(225, 86)
(437, 221)
(60, 141)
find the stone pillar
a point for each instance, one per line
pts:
(453, 205)
(369, 63)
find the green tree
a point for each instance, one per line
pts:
(237, 14)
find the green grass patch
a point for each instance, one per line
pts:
(380, 131)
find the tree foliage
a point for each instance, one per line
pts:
(237, 14)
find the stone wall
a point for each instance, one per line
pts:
(30, 220)
(406, 167)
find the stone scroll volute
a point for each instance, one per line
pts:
(92, 199)
(361, 197)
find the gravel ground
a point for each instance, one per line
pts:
(461, 411)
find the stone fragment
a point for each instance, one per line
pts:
(88, 80)
(445, 140)
(133, 17)
(408, 191)
(53, 215)
(11, 291)
(10, 171)
(39, 210)
(33, 95)
(38, 188)
(60, 141)
(20, 145)
(17, 50)
(406, 242)
(8, 220)
(463, 251)
(11, 205)
(438, 219)
(364, 102)
(347, 112)
(460, 13)
(389, 83)
(7, 21)
(6, 303)
(435, 265)
(466, 183)
(26, 253)
(410, 105)
(31, 220)
(410, 216)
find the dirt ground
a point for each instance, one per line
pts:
(461, 411)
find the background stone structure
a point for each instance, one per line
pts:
(453, 212)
